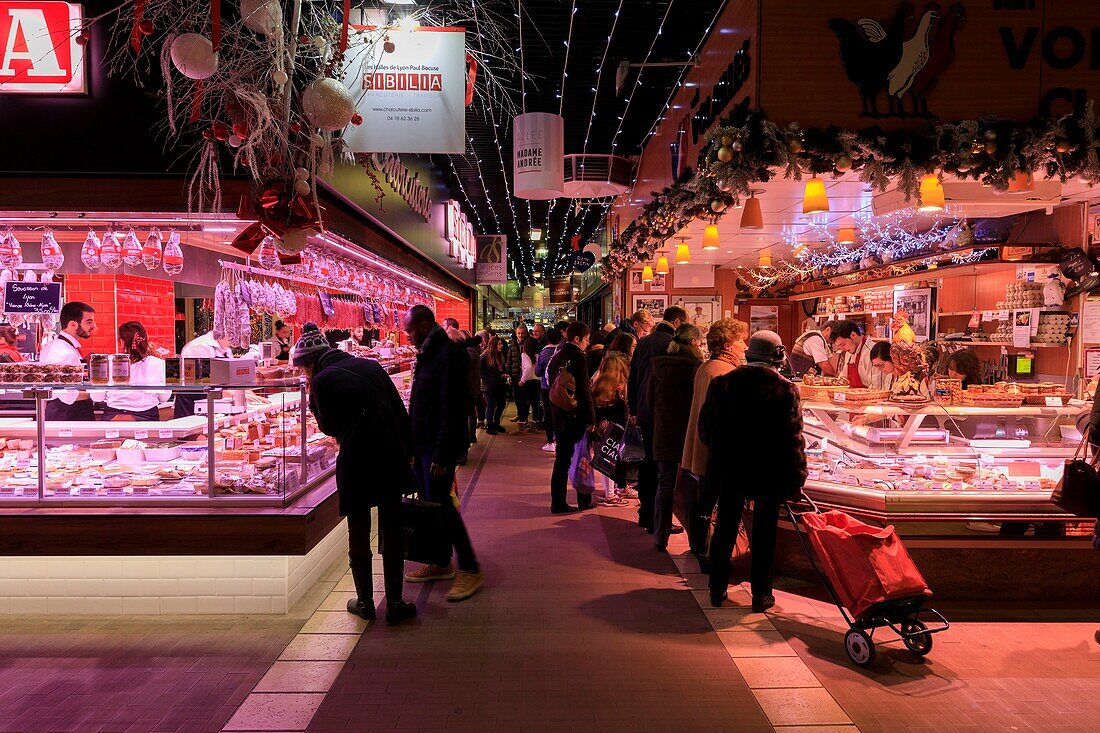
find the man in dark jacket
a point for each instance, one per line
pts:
(641, 365)
(570, 426)
(437, 407)
(355, 402)
(752, 423)
(671, 388)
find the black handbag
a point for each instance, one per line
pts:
(425, 537)
(1079, 490)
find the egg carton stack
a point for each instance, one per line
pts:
(1020, 295)
(1053, 329)
(1003, 334)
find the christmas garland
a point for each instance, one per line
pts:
(747, 148)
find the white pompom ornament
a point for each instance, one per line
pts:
(262, 16)
(301, 188)
(280, 77)
(328, 105)
(194, 56)
(293, 241)
(236, 141)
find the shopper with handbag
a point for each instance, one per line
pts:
(437, 409)
(573, 413)
(356, 402)
(609, 397)
(752, 423)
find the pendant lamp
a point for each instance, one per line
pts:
(662, 265)
(846, 235)
(815, 201)
(710, 237)
(647, 274)
(683, 254)
(765, 260)
(752, 217)
(931, 193)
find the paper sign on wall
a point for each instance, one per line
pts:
(1021, 328)
(412, 98)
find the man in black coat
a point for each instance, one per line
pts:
(440, 435)
(752, 423)
(641, 369)
(570, 426)
(355, 402)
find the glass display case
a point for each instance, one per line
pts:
(949, 468)
(246, 443)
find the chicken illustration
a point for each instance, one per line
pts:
(914, 56)
(869, 52)
(941, 56)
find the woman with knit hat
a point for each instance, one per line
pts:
(356, 402)
(670, 391)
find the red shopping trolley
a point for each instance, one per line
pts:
(870, 577)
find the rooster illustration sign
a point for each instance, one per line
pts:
(902, 56)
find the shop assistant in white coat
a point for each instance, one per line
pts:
(77, 324)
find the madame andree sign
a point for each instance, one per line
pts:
(889, 62)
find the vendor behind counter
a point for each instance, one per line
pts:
(205, 346)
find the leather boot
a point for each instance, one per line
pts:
(363, 604)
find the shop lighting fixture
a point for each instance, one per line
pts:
(815, 200)
(752, 217)
(846, 235)
(710, 237)
(647, 274)
(765, 260)
(662, 265)
(683, 254)
(931, 193)
(378, 262)
(536, 235)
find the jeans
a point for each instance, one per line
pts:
(563, 458)
(670, 477)
(389, 544)
(547, 415)
(532, 395)
(495, 401)
(647, 478)
(439, 491)
(765, 523)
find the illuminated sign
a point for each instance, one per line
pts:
(460, 235)
(405, 183)
(38, 49)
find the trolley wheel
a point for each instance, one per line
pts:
(920, 643)
(860, 648)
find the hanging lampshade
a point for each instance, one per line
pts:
(662, 265)
(815, 201)
(647, 274)
(1021, 182)
(683, 254)
(931, 193)
(710, 237)
(846, 235)
(765, 260)
(752, 217)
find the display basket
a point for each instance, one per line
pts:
(860, 396)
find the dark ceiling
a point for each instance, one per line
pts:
(485, 173)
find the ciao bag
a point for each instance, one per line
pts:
(609, 444)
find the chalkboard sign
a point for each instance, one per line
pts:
(20, 297)
(326, 303)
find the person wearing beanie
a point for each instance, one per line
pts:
(670, 390)
(356, 402)
(751, 422)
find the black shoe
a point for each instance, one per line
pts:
(585, 503)
(361, 609)
(563, 509)
(660, 548)
(399, 611)
(763, 603)
(716, 599)
(676, 529)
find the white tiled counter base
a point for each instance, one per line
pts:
(207, 584)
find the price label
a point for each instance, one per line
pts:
(840, 397)
(65, 432)
(1002, 315)
(141, 434)
(111, 434)
(256, 444)
(164, 433)
(1054, 402)
(252, 417)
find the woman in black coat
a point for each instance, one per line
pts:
(752, 424)
(494, 385)
(356, 402)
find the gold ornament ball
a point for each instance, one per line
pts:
(280, 77)
(301, 188)
(737, 146)
(724, 186)
(725, 154)
(727, 140)
(1062, 147)
(717, 206)
(328, 105)
(991, 147)
(301, 174)
(843, 163)
(795, 146)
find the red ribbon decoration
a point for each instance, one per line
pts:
(196, 103)
(344, 28)
(215, 24)
(471, 75)
(274, 217)
(136, 34)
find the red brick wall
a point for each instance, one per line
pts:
(121, 298)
